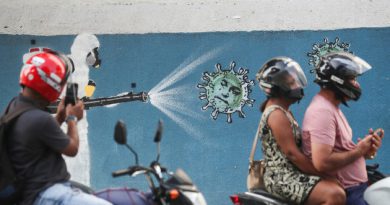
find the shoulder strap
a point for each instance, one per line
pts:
(252, 154)
(271, 108)
(267, 111)
(21, 108)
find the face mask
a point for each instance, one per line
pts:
(296, 94)
(93, 58)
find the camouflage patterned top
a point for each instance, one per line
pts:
(282, 178)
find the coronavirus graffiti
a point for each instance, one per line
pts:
(320, 49)
(226, 91)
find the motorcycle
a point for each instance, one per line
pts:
(262, 197)
(378, 193)
(166, 188)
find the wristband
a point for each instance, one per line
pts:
(71, 118)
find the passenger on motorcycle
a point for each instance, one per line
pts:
(289, 174)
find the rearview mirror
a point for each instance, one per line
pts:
(120, 134)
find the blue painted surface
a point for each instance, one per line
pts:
(217, 161)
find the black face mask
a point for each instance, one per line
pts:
(349, 91)
(296, 94)
(355, 92)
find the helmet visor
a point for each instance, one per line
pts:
(363, 66)
(354, 65)
(293, 77)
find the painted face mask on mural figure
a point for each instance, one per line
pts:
(93, 58)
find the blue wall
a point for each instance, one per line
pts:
(216, 160)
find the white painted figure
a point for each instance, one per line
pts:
(83, 53)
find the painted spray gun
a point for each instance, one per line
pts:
(96, 102)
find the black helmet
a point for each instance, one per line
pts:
(336, 69)
(282, 76)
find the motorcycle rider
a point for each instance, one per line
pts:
(327, 136)
(289, 174)
(36, 142)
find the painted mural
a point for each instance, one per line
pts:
(226, 91)
(167, 69)
(321, 49)
(83, 46)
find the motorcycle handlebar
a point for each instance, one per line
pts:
(163, 169)
(121, 173)
(131, 170)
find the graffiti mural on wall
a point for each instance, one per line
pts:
(170, 66)
(320, 49)
(84, 47)
(226, 91)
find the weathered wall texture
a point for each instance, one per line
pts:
(40, 17)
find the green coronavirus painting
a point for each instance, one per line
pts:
(226, 91)
(321, 49)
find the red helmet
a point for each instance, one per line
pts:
(46, 72)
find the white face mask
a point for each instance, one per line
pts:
(93, 58)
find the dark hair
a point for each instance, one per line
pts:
(276, 93)
(262, 106)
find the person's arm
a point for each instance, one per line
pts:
(326, 160)
(322, 126)
(73, 114)
(283, 133)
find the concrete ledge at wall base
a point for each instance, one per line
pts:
(41, 17)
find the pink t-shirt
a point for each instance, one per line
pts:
(324, 123)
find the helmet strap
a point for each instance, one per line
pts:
(342, 99)
(338, 94)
